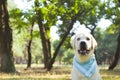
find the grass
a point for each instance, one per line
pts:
(57, 73)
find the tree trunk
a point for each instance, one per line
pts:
(117, 55)
(48, 61)
(7, 61)
(45, 46)
(74, 18)
(58, 47)
(44, 40)
(29, 47)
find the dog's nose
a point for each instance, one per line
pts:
(82, 44)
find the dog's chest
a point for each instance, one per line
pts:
(87, 69)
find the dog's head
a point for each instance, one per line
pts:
(84, 43)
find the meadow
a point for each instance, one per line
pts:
(61, 72)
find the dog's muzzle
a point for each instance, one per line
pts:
(83, 48)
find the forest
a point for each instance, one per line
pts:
(26, 33)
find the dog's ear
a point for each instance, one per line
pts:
(93, 42)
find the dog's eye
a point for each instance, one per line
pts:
(88, 38)
(78, 39)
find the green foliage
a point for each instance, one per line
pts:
(19, 43)
(21, 22)
(65, 53)
(98, 33)
(52, 11)
(17, 19)
(89, 14)
(61, 51)
(36, 51)
(112, 12)
(55, 43)
(68, 56)
(106, 45)
(67, 43)
(113, 29)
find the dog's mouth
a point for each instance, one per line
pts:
(83, 51)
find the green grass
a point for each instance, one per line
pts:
(57, 73)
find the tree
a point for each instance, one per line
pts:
(117, 55)
(7, 61)
(68, 56)
(43, 34)
(31, 20)
(113, 14)
(24, 21)
(68, 12)
(106, 44)
(48, 13)
(29, 47)
(61, 51)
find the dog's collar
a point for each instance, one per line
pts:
(87, 69)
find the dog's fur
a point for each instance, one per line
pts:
(84, 45)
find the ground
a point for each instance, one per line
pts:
(61, 72)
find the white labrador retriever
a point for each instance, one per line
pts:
(84, 62)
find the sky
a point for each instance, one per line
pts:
(22, 4)
(103, 23)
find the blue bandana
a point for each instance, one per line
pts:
(87, 69)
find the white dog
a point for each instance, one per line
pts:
(84, 63)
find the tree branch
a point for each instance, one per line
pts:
(74, 18)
